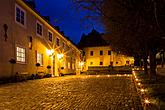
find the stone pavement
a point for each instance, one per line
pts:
(105, 92)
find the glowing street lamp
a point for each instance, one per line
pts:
(59, 56)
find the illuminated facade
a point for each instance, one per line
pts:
(98, 53)
(28, 38)
(104, 56)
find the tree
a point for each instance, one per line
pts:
(136, 25)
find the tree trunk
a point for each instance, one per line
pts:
(162, 57)
(152, 55)
(145, 65)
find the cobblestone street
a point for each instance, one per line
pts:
(94, 92)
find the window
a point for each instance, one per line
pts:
(127, 62)
(40, 58)
(91, 63)
(109, 52)
(91, 53)
(63, 45)
(111, 63)
(19, 15)
(20, 54)
(68, 65)
(101, 52)
(50, 35)
(39, 29)
(73, 66)
(58, 42)
(101, 63)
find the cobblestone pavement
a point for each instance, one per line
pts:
(71, 92)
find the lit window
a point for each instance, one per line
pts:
(58, 42)
(19, 15)
(69, 65)
(73, 66)
(39, 29)
(50, 35)
(101, 52)
(91, 53)
(109, 52)
(40, 58)
(20, 54)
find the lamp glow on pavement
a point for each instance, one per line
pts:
(142, 90)
(136, 79)
(146, 101)
(139, 84)
(98, 76)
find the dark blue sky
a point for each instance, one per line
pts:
(70, 20)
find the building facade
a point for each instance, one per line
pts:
(103, 56)
(98, 53)
(28, 39)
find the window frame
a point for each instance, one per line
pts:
(49, 36)
(21, 10)
(40, 58)
(41, 28)
(58, 43)
(101, 52)
(91, 53)
(109, 52)
(21, 53)
(101, 63)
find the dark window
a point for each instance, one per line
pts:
(91, 53)
(101, 52)
(111, 63)
(58, 42)
(101, 63)
(91, 63)
(50, 36)
(116, 62)
(127, 62)
(109, 52)
(39, 29)
(63, 45)
(20, 16)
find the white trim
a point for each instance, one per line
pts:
(21, 62)
(36, 28)
(17, 6)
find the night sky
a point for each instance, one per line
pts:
(71, 21)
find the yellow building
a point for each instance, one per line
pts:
(28, 38)
(104, 56)
(97, 52)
